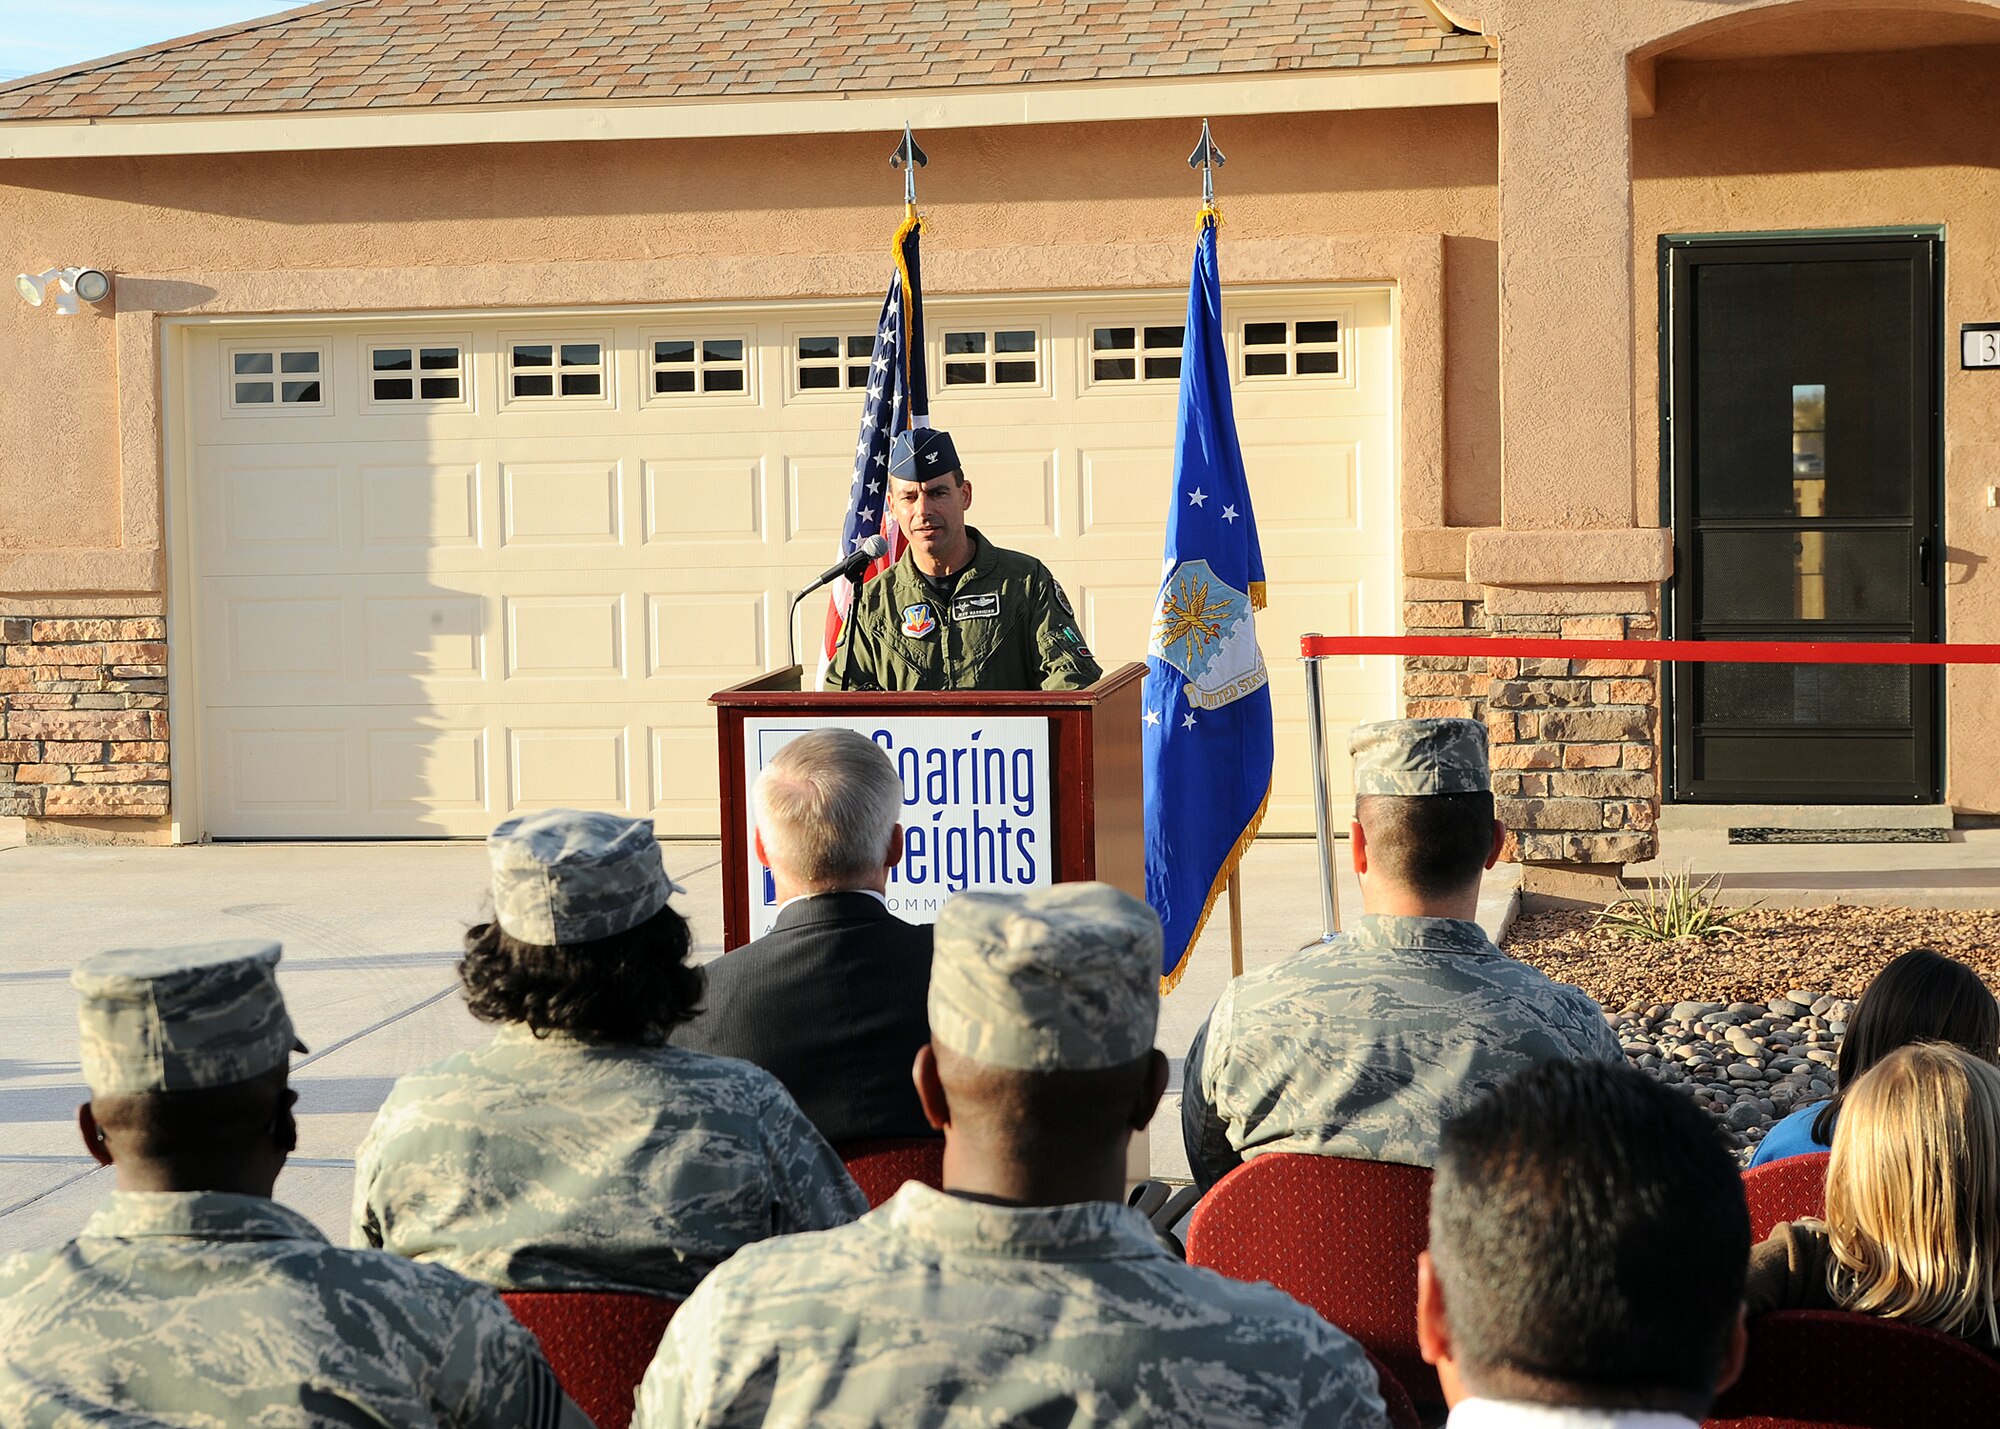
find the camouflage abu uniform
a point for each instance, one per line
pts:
(1363, 1047)
(554, 1163)
(938, 1310)
(1005, 625)
(217, 1309)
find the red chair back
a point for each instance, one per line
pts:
(1396, 1399)
(1827, 1369)
(598, 1342)
(880, 1168)
(1340, 1236)
(1784, 1191)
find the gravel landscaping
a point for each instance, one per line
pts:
(1749, 1022)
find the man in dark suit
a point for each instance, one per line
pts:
(831, 1000)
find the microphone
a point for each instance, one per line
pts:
(863, 556)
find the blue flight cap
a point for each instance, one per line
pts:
(922, 453)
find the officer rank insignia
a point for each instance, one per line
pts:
(918, 620)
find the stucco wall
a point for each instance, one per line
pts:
(1754, 145)
(997, 191)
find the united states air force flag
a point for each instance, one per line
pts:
(1207, 694)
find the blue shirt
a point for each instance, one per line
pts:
(1792, 1136)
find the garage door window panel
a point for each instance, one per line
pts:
(425, 374)
(826, 362)
(1130, 352)
(1303, 347)
(559, 369)
(990, 359)
(699, 367)
(266, 378)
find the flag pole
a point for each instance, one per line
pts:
(909, 158)
(1208, 159)
(1235, 923)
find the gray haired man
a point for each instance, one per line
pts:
(192, 1297)
(1022, 1293)
(1363, 1047)
(831, 1000)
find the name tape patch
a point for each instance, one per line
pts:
(976, 607)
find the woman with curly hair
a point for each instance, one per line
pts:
(1912, 1228)
(578, 1150)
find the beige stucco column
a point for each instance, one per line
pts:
(1565, 272)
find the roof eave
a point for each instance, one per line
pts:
(573, 121)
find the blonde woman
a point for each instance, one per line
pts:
(1912, 1227)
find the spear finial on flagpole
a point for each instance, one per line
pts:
(909, 158)
(1208, 159)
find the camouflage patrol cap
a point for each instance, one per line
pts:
(1055, 979)
(1420, 756)
(922, 453)
(571, 876)
(183, 1018)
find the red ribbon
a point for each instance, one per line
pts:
(1748, 652)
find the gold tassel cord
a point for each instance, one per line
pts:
(1210, 214)
(911, 224)
(1172, 980)
(1257, 597)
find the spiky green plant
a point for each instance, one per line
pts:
(1674, 908)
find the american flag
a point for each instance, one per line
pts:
(896, 400)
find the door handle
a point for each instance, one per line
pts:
(1924, 562)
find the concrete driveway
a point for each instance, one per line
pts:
(371, 932)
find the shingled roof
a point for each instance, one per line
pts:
(385, 54)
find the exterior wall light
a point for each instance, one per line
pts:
(68, 285)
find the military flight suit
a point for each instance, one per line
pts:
(1001, 623)
(935, 1310)
(551, 1163)
(1364, 1047)
(212, 1309)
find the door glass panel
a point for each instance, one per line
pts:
(1847, 696)
(1805, 575)
(1803, 374)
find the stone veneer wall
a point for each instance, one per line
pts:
(83, 717)
(1575, 743)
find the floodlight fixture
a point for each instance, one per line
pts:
(92, 285)
(33, 287)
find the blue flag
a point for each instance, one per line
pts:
(1207, 696)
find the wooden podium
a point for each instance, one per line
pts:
(1095, 812)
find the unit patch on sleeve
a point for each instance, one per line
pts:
(918, 620)
(976, 607)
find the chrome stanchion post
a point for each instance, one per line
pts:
(1329, 886)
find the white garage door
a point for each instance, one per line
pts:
(441, 571)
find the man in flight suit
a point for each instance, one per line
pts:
(956, 612)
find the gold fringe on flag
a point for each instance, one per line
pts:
(1257, 598)
(911, 224)
(1172, 980)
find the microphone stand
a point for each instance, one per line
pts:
(846, 657)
